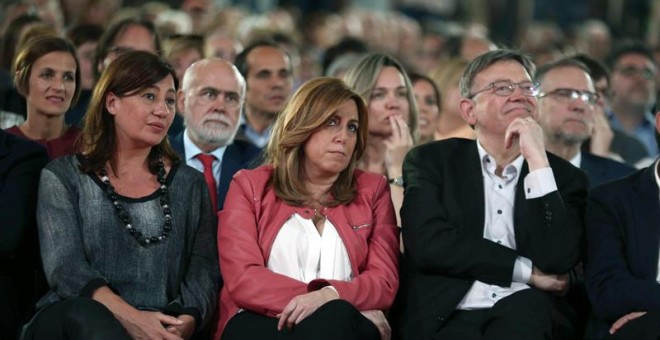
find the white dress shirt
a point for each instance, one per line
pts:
(499, 199)
(301, 253)
(192, 151)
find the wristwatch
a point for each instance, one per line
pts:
(398, 180)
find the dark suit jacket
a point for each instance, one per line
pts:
(443, 223)
(21, 284)
(238, 155)
(600, 169)
(623, 239)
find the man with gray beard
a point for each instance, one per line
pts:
(567, 100)
(211, 99)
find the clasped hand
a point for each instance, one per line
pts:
(529, 136)
(304, 305)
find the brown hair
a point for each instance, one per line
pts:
(131, 72)
(34, 49)
(310, 107)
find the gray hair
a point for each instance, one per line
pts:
(489, 58)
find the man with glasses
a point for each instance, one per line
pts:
(634, 92)
(491, 227)
(211, 98)
(606, 141)
(567, 102)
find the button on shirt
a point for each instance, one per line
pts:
(499, 199)
(192, 151)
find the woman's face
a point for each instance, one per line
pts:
(388, 98)
(143, 118)
(451, 100)
(329, 150)
(52, 83)
(428, 107)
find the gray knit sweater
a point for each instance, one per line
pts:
(84, 245)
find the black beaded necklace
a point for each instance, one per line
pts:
(126, 218)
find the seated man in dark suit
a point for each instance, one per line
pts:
(491, 227)
(211, 97)
(567, 100)
(623, 238)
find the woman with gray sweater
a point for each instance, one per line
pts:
(127, 231)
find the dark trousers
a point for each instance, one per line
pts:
(75, 319)
(645, 327)
(336, 319)
(526, 314)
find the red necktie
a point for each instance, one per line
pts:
(207, 161)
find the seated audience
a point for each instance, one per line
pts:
(491, 227)
(127, 231)
(450, 123)
(384, 84)
(309, 243)
(623, 243)
(427, 97)
(84, 38)
(47, 74)
(211, 98)
(567, 101)
(634, 92)
(607, 141)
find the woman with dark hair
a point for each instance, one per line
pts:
(127, 232)
(309, 244)
(47, 73)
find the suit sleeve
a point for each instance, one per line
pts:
(250, 283)
(434, 243)
(612, 288)
(376, 286)
(552, 225)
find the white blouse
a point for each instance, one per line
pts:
(301, 253)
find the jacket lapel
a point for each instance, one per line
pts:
(647, 221)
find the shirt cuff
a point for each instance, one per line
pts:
(539, 183)
(522, 270)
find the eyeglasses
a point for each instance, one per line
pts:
(632, 71)
(569, 95)
(504, 88)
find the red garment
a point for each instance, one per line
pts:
(57, 147)
(252, 217)
(207, 162)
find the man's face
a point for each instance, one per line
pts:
(564, 114)
(211, 101)
(633, 80)
(269, 80)
(490, 113)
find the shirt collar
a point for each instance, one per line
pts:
(510, 172)
(191, 150)
(577, 160)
